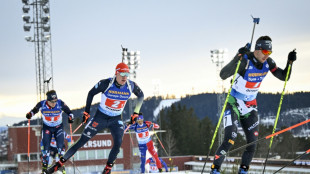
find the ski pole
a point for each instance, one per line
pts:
(160, 142)
(268, 136)
(255, 21)
(77, 128)
(291, 162)
(28, 143)
(71, 131)
(278, 113)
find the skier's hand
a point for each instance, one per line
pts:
(156, 126)
(85, 117)
(292, 56)
(29, 115)
(244, 49)
(133, 118)
(70, 118)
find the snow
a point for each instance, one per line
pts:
(164, 104)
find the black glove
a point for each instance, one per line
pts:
(133, 118)
(29, 115)
(85, 117)
(70, 118)
(244, 49)
(292, 56)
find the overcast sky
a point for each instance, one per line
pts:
(174, 37)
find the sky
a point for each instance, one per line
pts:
(174, 37)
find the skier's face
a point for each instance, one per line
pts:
(52, 103)
(140, 122)
(121, 79)
(260, 56)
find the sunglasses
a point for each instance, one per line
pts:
(53, 101)
(266, 52)
(124, 74)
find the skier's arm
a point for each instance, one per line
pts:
(65, 107)
(278, 72)
(36, 108)
(138, 92)
(229, 69)
(101, 86)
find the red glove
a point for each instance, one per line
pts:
(156, 126)
(85, 117)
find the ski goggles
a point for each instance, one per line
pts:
(266, 52)
(53, 101)
(124, 74)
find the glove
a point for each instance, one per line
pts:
(70, 118)
(85, 117)
(156, 126)
(29, 115)
(244, 49)
(292, 56)
(133, 118)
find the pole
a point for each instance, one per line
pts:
(278, 113)
(269, 136)
(291, 162)
(28, 143)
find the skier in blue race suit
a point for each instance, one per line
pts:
(115, 92)
(51, 110)
(242, 107)
(144, 140)
(153, 167)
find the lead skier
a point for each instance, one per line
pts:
(242, 106)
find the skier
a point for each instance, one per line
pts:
(144, 140)
(53, 152)
(242, 106)
(153, 167)
(115, 93)
(51, 109)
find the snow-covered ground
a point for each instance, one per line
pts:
(164, 104)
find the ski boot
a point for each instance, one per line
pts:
(56, 166)
(44, 168)
(215, 169)
(243, 169)
(107, 169)
(160, 170)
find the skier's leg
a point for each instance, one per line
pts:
(151, 149)
(250, 126)
(116, 127)
(46, 140)
(96, 124)
(59, 137)
(230, 123)
(142, 149)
